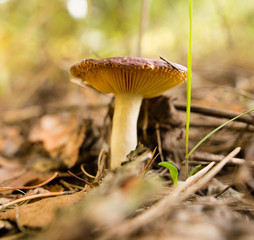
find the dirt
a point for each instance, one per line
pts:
(54, 158)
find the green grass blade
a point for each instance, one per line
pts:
(215, 130)
(194, 170)
(188, 96)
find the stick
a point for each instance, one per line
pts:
(208, 157)
(156, 211)
(164, 206)
(41, 195)
(30, 187)
(143, 23)
(213, 112)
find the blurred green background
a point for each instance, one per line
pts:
(41, 39)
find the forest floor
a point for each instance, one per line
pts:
(54, 184)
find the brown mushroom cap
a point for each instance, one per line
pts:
(134, 75)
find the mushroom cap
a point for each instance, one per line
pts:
(134, 75)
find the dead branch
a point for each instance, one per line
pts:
(41, 195)
(164, 206)
(208, 157)
(30, 187)
(249, 119)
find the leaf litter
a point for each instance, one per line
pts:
(136, 201)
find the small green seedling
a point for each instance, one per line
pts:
(172, 170)
(194, 170)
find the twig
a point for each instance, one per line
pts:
(204, 163)
(70, 186)
(156, 211)
(66, 185)
(158, 135)
(145, 120)
(149, 162)
(79, 178)
(208, 157)
(100, 165)
(223, 191)
(164, 206)
(172, 65)
(30, 187)
(85, 172)
(143, 23)
(213, 112)
(216, 123)
(218, 167)
(41, 195)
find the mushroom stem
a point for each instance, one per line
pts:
(124, 129)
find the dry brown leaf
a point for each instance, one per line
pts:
(10, 140)
(41, 213)
(61, 136)
(9, 169)
(25, 177)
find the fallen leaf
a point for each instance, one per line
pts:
(61, 136)
(10, 140)
(41, 213)
(25, 178)
(9, 169)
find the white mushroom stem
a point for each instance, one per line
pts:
(124, 129)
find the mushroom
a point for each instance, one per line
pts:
(130, 79)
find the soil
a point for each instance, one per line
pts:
(55, 183)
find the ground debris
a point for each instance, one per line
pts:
(60, 135)
(111, 204)
(115, 200)
(122, 208)
(11, 140)
(41, 213)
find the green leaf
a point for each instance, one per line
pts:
(194, 170)
(172, 170)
